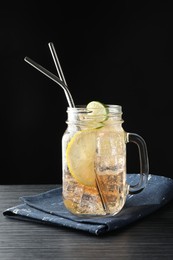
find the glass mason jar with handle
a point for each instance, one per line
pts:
(94, 161)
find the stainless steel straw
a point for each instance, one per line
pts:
(62, 82)
(54, 78)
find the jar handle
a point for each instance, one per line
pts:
(144, 162)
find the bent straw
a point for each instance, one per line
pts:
(56, 61)
(69, 100)
(54, 78)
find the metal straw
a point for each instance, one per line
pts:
(62, 82)
(57, 63)
(54, 78)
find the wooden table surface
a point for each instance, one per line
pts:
(149, 238)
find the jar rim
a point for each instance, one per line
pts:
(82, 108)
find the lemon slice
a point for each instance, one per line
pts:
(97, 111)
(80, 156)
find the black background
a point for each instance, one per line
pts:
(117, 52)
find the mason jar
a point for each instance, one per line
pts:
(94, 162)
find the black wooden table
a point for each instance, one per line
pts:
(150, 238)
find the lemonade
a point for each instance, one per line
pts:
(94, 160)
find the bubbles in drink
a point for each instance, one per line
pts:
(82, 199)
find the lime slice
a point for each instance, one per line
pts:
(97, 111)
(80, 156)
